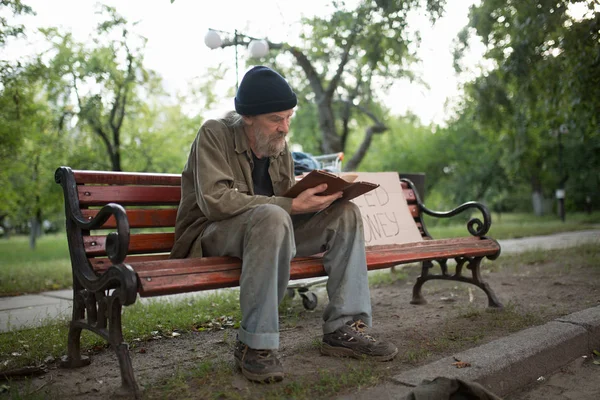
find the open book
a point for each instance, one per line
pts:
(334, 183)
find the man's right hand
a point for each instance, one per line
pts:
(310, 202)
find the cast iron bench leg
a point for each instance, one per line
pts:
(472, 263)
(128, 384)
(74, 359)
(417, 297)
(94, 311)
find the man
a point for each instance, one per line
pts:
(232, 205)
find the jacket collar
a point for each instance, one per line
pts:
(242, 145)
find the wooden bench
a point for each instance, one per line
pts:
(110, 270)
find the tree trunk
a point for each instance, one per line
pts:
(5, 226)
(332, 142)
(35, 231)
(537, 197)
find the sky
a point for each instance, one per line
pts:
(176, 49)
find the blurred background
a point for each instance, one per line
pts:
(494, 101)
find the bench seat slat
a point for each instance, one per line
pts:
(126, 178)
(414, 210)
(138, 244)
(101, 264)
(128, 195)
(209, 273)
(408, 194)
(140, 218)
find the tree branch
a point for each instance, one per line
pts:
(347, 106)
(335, 81)
(377, 128)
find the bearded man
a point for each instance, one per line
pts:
(232, 205)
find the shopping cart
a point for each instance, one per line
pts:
(331, 163)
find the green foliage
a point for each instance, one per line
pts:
(89, 105)
(343, 58)
(538, 108)
(16, 7)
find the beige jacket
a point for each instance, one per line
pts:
(216, 182)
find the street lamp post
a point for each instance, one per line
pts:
(560, 192)
(256, 47)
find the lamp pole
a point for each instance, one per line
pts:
(560, 192)
(235, 46)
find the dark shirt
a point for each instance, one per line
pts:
(260, 176)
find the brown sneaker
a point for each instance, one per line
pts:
(258, 365)
(351, 341)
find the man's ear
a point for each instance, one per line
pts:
(248, 120)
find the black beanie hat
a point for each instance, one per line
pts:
(263, 91)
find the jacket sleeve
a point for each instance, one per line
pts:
(214, 180)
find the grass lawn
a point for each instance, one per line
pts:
(48, 267)
(514, 225)
(23, 270)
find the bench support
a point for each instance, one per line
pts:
(472, 263)
(100, 312)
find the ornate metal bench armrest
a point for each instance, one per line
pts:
(117, 243)
(119, 276)
(475, 226)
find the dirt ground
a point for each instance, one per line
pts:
(454, 319)
(578, 380)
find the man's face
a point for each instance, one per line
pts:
(268, 132)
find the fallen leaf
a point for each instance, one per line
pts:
(596, 352)
(460, 364)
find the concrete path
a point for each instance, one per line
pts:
(26, 311)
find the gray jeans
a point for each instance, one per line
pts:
(266, 238)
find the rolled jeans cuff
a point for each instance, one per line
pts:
(259, 341)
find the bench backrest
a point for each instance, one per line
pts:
(151, 202)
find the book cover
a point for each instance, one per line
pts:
(335, 183)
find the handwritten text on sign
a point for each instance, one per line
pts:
(386, 217)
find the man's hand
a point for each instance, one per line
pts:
(309, 201)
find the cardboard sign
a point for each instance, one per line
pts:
(385, 214)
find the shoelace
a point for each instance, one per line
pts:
(264, 354)
(359, 327)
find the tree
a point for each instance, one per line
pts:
(54, 107)
(107, 80)
(342, 58)
(533, 90)
(16, 7)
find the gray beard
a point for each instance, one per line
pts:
(267, 145)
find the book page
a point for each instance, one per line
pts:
(349, 177)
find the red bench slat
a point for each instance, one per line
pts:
(138, 244)
(101, 264)
(128, 195)
(140, 218)
(126, 178)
